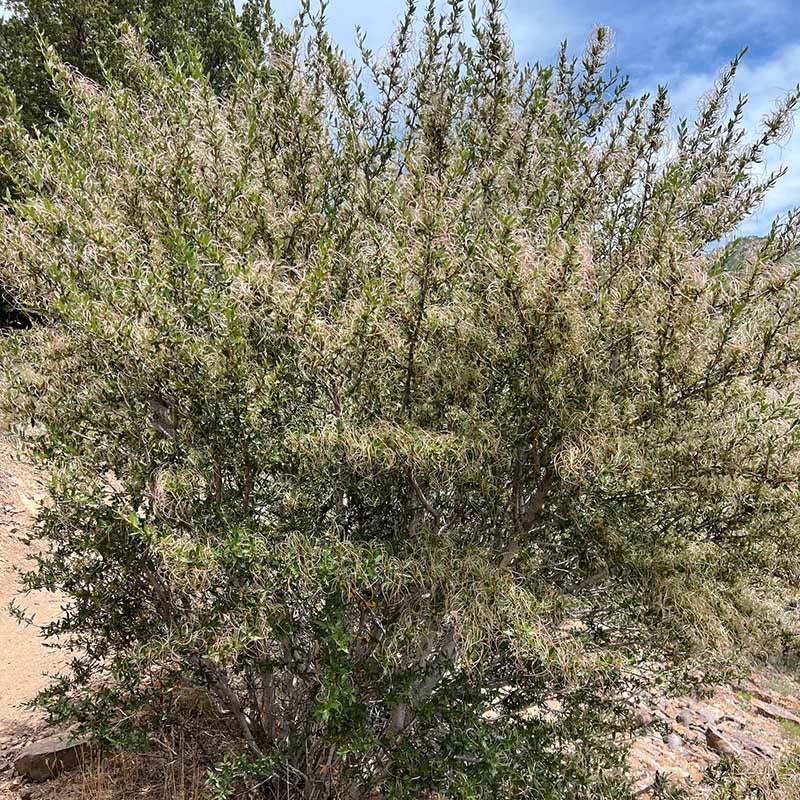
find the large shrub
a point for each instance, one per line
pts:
(403, 407)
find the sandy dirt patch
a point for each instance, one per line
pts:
(24, 661)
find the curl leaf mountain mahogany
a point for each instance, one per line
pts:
(378, 398)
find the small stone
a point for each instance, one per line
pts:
(674, 742)
(47, 757)
(643, 715)
(709, 715)
(719, 744)
(685, 717)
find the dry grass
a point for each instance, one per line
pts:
(171, 773)
(779, 780)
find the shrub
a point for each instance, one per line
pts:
(84, 33)
(402, 407)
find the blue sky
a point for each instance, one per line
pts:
(683, 44)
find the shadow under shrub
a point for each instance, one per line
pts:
(402, 409)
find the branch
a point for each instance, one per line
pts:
(424, 500)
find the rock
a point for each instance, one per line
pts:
(762, 751)
(47, 757)
(643, 715)
(760, 693)
(674, 742)
(719, 744)
(685, 717)
(675, 772)
(772, 711)
(709, 715)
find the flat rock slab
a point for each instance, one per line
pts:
(773, 711)
(47, 757)
(719, 744)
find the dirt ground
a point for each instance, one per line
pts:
(24, 661)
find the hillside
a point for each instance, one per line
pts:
(742, 250)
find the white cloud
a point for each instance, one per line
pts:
(539, 30)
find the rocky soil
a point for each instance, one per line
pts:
(757, 720)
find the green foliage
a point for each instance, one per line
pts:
(84, 33)
(790, 728)
(399, 404)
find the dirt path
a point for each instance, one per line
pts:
(24, 661)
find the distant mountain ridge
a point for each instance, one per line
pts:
(744, 249)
